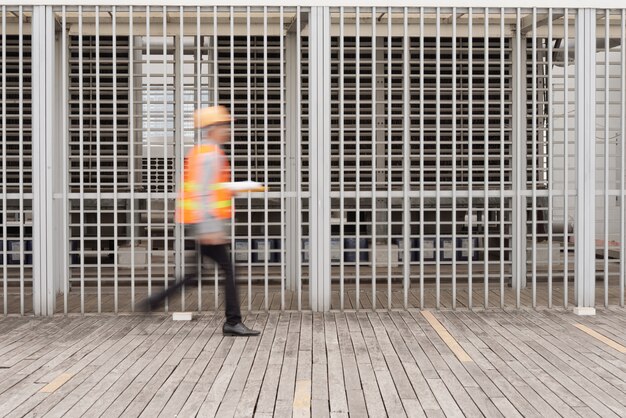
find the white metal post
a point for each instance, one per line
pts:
(291, 149)
(320, 135)
(585, 273)
(45, 169)
(518, 280)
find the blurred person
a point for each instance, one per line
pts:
(204, 207)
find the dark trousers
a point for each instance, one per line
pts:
(219, 254)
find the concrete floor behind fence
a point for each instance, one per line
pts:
(386, 363)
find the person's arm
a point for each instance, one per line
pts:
(211, 228)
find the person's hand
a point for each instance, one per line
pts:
(214, 238)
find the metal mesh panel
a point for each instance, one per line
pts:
(16, 217)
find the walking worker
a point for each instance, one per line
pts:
(204, 207)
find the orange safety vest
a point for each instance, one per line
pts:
(189, 205)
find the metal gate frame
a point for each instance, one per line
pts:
(50, 249)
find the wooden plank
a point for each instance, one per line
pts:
(390, 395)
(116, 382)
(85, 349)
(56, 383)
(237, 383)
(373, 399)
(446, 337)
(336, 384)
(505, 407)
(160, 386)
(46, 355)
(253, 385)
(608, 380)
(80, 370)
(354, 391)
(222, 381)
(302, 398)
(401, 381)
(600, 337)
(444, 398)
(515, 345)
(167, 343)
(201, 378)
(506, 381)
(417, 353)
(269, 388)
(287, 380)
(319, 380)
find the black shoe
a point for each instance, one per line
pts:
(238, 330)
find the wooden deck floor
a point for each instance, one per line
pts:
(392, 363)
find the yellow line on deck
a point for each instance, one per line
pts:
(56, 383)
(447, 337)
(302, 399)
(602, 338)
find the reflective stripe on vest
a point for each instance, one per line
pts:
(189, 207)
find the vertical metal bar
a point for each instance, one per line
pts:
(388, 144)
(21, 152)
(178, 136)
(486, 164)
(438, 158)
(406, 163)
(341, 153)
(470, 177)
(282, 251)
(320, 130)
(454, 157)
(550, 158)
(165, 163)
(518, 175)
(232, 141)
(232, 110)
(566, 162)
(98, 165)
(534, 158)
(265, 161)
(4, 158)
(82, 161)
(373, 137)
(182, 155)
(585, 160)
(131, 140)
(249, 258)
(299, 148)
(149, 147)
(502, 137)
(358, 158)
(607, 19)
(622, 153)
(115, 215)
(421, 245)
(215, 103)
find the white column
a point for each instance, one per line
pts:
(47, 174)
(319, 99)
(292, 153)
(585, 264)
(519, 163)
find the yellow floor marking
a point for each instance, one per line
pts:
(302, 398)
(602, 338)
(447, 337)
(56, 383)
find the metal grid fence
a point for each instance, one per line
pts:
(415, 157)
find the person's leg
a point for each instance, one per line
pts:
(156, 300)
(219, 254)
